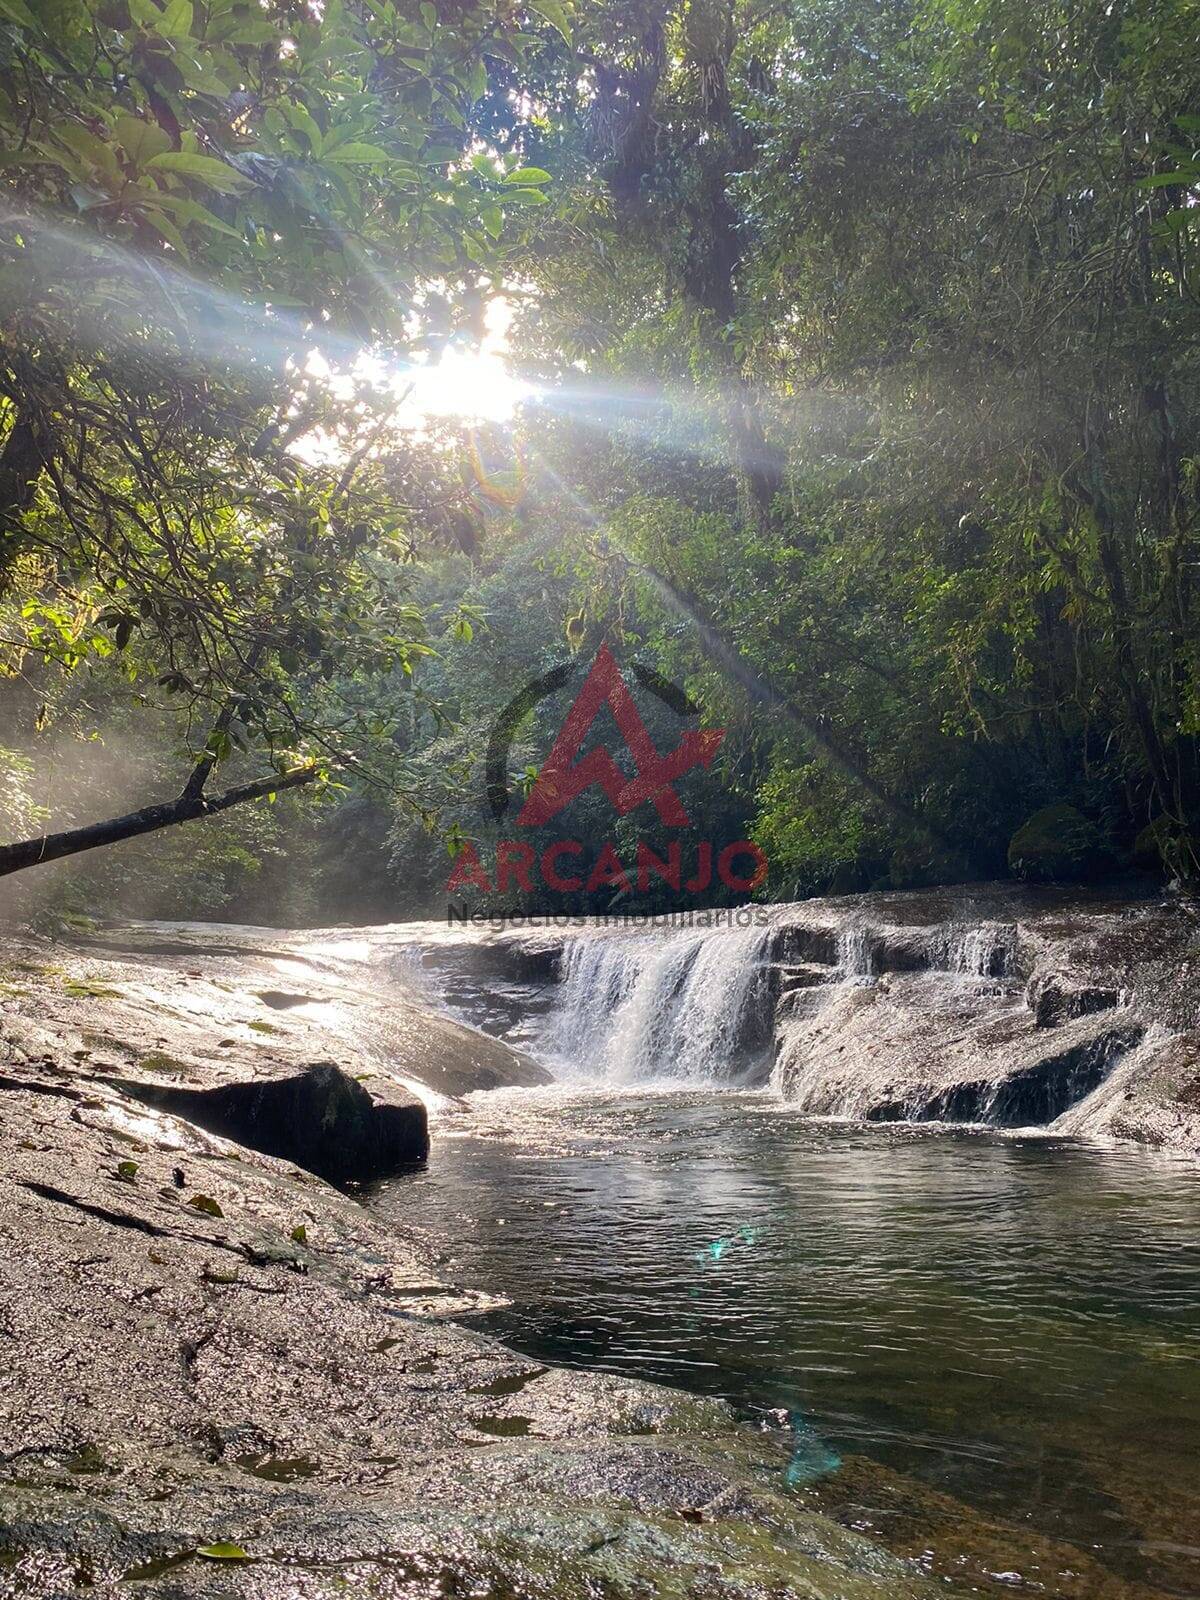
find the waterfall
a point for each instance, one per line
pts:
(690, 1007)
(984, 951)
(856, 1009)
(856, 958)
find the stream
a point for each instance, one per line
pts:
(1009, 1321)
(830, 1166)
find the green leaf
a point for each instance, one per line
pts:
(223, 1552)
(554, 14)
(1160, 180)
(360, 154)
(493, 220)
(89, 148)
(189, 211)
(525, 197)
(299, 1234)
(254, 33)
(527, 175)
(176, 20)
(140, 140)
(127, 1170)
(301, 119)
(206, 1204)
(216, 174)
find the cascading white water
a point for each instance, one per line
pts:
(682, 1006)
(856, 959)
(843, 1010)
(699, 1006)
(984, 951)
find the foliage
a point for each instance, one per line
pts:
(916, 288)
(201, 202)
(1057, 844)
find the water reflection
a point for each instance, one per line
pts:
(1012, 1323)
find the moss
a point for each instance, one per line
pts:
(1057, 844)
(160, 1061)
(81, 989)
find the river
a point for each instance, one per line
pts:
(978, 1344)
(1008, 1321)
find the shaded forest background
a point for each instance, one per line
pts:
(864, 338)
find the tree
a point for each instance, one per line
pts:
(201, 200)
(952, 254)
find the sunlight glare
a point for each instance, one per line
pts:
(474, 385)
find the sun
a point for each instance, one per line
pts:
(472, 385)
(469, 384)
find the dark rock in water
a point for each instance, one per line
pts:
(320, 1119)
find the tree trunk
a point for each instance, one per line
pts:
(21, 463)
(53, 846)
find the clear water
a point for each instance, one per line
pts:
(997, 1337)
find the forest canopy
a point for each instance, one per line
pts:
(857, 348)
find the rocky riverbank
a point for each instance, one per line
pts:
(221, 1375)
(1072, 1010)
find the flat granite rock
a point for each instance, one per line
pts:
(221, 1376)
(204, 1008)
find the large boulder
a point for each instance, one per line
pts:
(1057, 844)
(319, 1118)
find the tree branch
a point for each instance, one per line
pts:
(53, 846)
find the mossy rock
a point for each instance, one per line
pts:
(1156, 846)
(1057, 844)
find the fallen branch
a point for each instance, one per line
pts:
(53, 846)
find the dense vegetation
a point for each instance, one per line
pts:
(866, 340)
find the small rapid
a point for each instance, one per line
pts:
(778, 1004)
(990, 1004)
